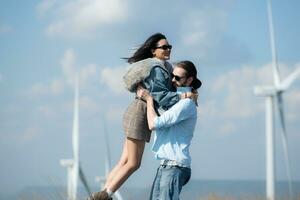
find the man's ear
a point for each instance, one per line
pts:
(189, 81)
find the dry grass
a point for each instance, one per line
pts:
(217, 197)
(61, 195)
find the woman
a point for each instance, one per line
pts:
(149, 68)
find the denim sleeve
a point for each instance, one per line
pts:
(159, 85)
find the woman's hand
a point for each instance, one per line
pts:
(192, 95)
(144, 94)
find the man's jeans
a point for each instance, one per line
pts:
(168, 182)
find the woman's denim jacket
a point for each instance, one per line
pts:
(155, 76)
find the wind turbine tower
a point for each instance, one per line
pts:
(72, 165)
(273, 94)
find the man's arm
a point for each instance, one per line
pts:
(151, 114)
(175, 114)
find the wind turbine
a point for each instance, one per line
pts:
(73, 165)
(102, 179)
(272, 93)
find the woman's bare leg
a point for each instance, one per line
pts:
(135, 150)
(122, 161)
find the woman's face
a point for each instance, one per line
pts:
(162, 50)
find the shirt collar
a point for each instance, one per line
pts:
(181, 90)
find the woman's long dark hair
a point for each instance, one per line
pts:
(144, 51)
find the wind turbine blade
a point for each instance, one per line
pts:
(290, 79)
(75, 138)
(273, 46)
(75, 142)
(284, 141)
(107, 149)
(281, 112)
(107, 158)
(118, 195)
(84, 181)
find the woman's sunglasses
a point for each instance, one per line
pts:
(177, 78)
(164, 47)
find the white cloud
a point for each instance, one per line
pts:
(87, 72)
(227, 128)
(82, 17)
(57, 87)
(45, 6)
(47, 111)
(233, 96)
(115, 114)
(292, 102)
(207, 108)
(30, 133)
(37, 89)
(5, 29)
(68, 65)
(70, 69)
(113, 78)
(199, 26)
(204, 36)
(236, 89)
(88, 104)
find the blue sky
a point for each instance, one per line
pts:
(44, 43)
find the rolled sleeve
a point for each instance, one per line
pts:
(156, 123)
(179, 112)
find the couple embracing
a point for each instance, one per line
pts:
(165, 103)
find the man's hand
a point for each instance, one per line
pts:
(144, 94)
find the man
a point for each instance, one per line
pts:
(173, 134)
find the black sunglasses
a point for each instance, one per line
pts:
(164, 47)
(177, 78)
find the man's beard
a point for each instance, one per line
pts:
(182, 85)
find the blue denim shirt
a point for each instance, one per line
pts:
(174, 131)
(159, 84)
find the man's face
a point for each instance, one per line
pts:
(179, 78)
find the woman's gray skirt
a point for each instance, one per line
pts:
(135, 121)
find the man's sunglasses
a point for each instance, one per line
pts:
(164, 47)
(177, 78)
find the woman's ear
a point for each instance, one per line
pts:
(153, 52)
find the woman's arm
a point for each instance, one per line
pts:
(151, 114)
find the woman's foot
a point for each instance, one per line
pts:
(100, 196)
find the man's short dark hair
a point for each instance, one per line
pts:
(191, 71)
